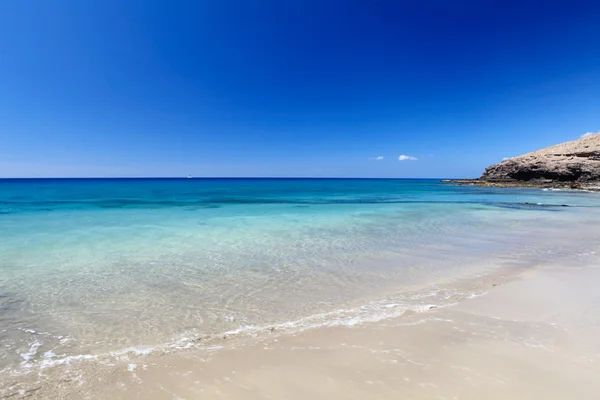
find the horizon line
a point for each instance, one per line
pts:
(215, 177)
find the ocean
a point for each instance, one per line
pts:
(93, 268)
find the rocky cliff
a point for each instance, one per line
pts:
(576, 161)
(572, 164)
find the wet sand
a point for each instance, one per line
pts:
(533, 337)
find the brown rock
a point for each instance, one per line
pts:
(576, 161)
(573, 164)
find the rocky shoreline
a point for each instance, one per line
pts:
(590, 186)
(572, 165)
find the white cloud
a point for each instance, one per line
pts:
(506, 158)
(378, 158)
(589, 134)
(405, 158)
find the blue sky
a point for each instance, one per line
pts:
(304, 88)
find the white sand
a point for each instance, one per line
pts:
(535, 337)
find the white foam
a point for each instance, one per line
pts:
(475, 295)
(349, 318)
(31, 353)
(49, 354)
(136, 351)
(66, 360)
(33, 332)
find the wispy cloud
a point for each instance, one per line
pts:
(378, 158)
(506, 158)
(589, 134)
(406, 158)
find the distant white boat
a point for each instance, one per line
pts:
(189, 177)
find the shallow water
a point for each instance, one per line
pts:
(91, 267)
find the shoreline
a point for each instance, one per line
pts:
(274, 364)
(584, 186)
(373, 309)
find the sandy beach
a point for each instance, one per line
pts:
(271, 200)
(531, 335)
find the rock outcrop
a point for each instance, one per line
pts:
(573, 164)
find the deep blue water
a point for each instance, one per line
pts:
(22, 195)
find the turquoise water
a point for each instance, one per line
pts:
(92, 266)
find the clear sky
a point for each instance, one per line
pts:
(291, 88)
